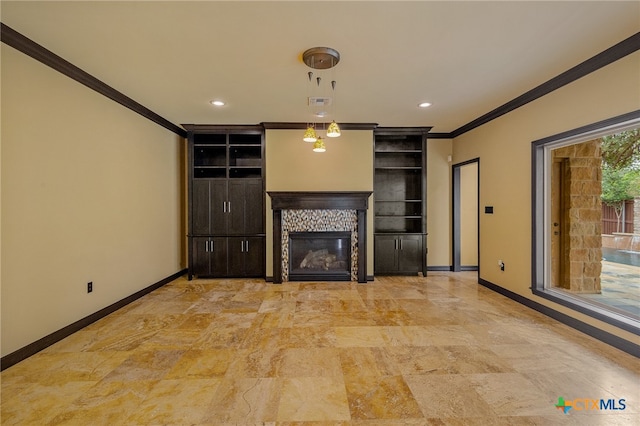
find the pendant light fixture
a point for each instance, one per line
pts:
(320, 58)
(310, 134)
(333, 131)
(319, 146)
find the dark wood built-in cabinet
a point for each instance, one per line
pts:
(400, 200)
(226, 201)
(398, 253)
(227, 207)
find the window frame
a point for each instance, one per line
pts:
(540, 190)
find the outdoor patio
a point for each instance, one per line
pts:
(620, 285)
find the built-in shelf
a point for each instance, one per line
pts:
(227, 155)
(400, 200)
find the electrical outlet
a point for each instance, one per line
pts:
(89, 286)
(501, 265)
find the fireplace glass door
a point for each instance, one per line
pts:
(317, 256)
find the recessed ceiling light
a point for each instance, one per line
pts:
(424, 104)
(217, 103)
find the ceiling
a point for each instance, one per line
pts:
(466, 58)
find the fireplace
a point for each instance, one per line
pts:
(323, 256)
(327, 224)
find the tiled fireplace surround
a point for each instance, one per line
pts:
(319, 212)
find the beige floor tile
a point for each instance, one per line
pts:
(381, 397)
(279, 319)
(313, 399)
(40, 404)
(359, 337)
(145, 366)
(244, 401)
(439, 350)
(255, 363)
(450, 335)
(494, 334)
(57, 368)
(312, 337)
(202, 364)
(106, 403)
(448, 396)
(310, 362)
(512, 394)
(408, 336)
(367, 361)
(417, 360)
(474, 359)
(176, 402)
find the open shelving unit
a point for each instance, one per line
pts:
(227, 155)
(400, 200)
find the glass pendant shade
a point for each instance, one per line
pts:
(318, 146)
(333, 131)
(310, 135)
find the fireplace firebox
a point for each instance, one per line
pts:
(320, 212)
(320, 256)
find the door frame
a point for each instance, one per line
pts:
(456, 225)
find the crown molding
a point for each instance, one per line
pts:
(602, 59)
(296, 126)
(12, 38)
(25, 45)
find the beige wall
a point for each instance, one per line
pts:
(439, 202)
(291, 165)
(347, 165)
(469, 215)
(91, 191)
(504, 149)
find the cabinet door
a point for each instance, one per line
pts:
(200, 214)
(236, 256)
(254, 257)
(218, 256)
(218, 206)
(247, 207)
(410, 253)
(208, 213)
(385, 253)
(200, 263)
(236, 206)
(254, 207)
(246, 256)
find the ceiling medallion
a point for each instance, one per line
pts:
(321, 58)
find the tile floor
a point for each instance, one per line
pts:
(439, 350)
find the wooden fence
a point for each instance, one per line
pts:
(610, 220)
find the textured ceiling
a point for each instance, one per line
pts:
(466, 58)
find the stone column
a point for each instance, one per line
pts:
(582, 216)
